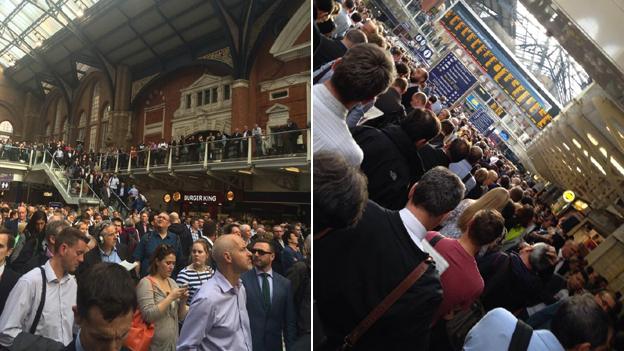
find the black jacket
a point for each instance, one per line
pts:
(432, 157)
(186, 240)
(328, 50)
(390, 104)
(7, 282)
(360, 266)
(93, 257)
(391, 163)
(72, 346)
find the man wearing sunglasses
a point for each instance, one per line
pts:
(269, 301)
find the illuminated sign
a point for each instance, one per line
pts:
(472, 100)
(451, 79)
(465, 27)
(200, 198)
(167, 198)
(568, 196)
(481, 120)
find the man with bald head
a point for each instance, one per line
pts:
(150, 241)
(222, 296)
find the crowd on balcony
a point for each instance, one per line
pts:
(180, 275)
(426, 236)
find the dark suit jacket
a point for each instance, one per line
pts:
(93, 257)
(278, 265)
(267, 326)
(7, 282)
(329, 50)
(432, 157)
(139, 228)
(360, 266)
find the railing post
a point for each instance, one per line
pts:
(117, 163)
(81, 186)
(308, 153)
(44, 155)
(149, 156)
(130, 161)
(52, 162)
(170, 157)
(206, 155)
(248, 150)
(68, 186)
(31, 158)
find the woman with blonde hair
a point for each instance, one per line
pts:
(458, 219)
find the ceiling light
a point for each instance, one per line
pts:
(617, 165)
(292, 169)
(576, 143)
(566, 146)
(592, 139)
(597, 165)
(603, 151)
(245, 171)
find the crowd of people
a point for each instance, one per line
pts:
(426, 237)
(90, 279)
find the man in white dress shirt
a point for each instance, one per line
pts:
(57, 319)
(364, 72)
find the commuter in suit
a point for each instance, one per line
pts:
(269, 302)
(144, 226)
(278, 245)
(21, 218)
(8, 277)
(108, 249)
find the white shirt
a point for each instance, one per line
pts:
(2, 268)
(57, 319)
(415, 229)
(330, 128)
(462, 169)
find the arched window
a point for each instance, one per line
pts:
(95, 109)
(104, 129)
(82, 124)
(6, 130)
(58, 119)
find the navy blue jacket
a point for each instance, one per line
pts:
(267, 326)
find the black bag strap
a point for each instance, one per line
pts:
(466, 177)
(44, 282)
(385, 304)
(521, 337)
(436, 239)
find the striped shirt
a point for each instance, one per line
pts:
(194, 279)
(330, 128)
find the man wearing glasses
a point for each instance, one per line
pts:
(269, 301)
(108, 249)
(147, 246)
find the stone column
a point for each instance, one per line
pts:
(240, 103)
(31, 129)
(120, 122)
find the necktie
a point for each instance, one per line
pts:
(266, 291)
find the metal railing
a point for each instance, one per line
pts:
(77, 188)
(288, 144)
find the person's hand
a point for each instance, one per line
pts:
(177, 293)
(185, 295)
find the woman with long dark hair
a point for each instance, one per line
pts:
(29, 243)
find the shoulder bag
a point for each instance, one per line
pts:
(141, 333)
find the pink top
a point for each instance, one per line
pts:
(461, 282)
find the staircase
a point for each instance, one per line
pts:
(74, 191)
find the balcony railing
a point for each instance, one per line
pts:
(251, 149)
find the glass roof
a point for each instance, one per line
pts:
(26, 24)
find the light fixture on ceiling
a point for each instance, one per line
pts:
(245, 171)
(292, 169)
